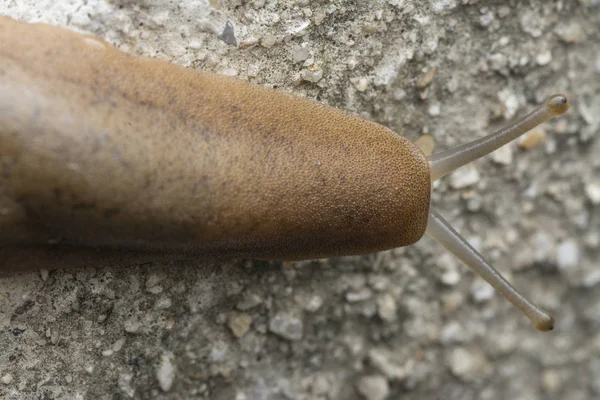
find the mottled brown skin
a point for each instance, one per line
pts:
(99, 149)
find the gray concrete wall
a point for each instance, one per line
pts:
(410, 323)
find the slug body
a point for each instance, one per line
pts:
(102, 149)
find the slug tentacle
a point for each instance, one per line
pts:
(447, 161)
(426, 144)
(440, 230)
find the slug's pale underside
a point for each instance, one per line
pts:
(101, 151)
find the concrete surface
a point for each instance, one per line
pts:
(410, 323)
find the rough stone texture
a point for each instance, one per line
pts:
(453, 68)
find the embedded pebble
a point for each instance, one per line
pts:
(570, 32)
(309, 302)
(373, 387)
(165, 373)
(551, 381)
(163, 303)
(361, 84)
(592, 190)
(154, 280)
(453, 332)
(311, 75)
(132, 325)
(567, 255)
(320, 385)
(361, 294)
(124, 385)
(449, 266)
(44, 274)
(386, 307)
(531, 139)
(475, 203)
(542, 246)
(503, 156)
(268, 41)
(434, 109)
(300, 54)
(510, 103)
(118, 345)
(6, 379)
(468, 365)
(531, 23)
(486, 19)
(287, 326)
(380, 359)
(239, 323)
(544, 58)
(498, 61)
(155, 289)
(248, 301)
(482, 291)
(464, 177)
(228, 34)
(424, 80)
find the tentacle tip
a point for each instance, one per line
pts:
(546, 324)
(558, 104)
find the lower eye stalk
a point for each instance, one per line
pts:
(439, 230)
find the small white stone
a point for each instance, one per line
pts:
(464, 177)
(44, 274)
(482, 291)
(195, 44)
(300, 54)
(453, 332)
(498, 61)
(544, 58)
(380, 359)
(567, 255)
(124, 384)
(312, 75)
(504, 155)
(361, 84)
(551, 381)
(309, 301)
(386, 307)
(592, 190)
(466, 364)
(373, 387)
(153, 280)
(434, 109)
(165, 373)
(229, 72)
(6, 379)
(163, 303)
(118, 345)
(268, 41)
(448, 265)
(361, 294)
(486, 18)
(132, 325)
(287, 326)
(239, 323)
(248, 301)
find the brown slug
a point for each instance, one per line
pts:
(102, 150)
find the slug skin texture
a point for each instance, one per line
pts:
(103, 150)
